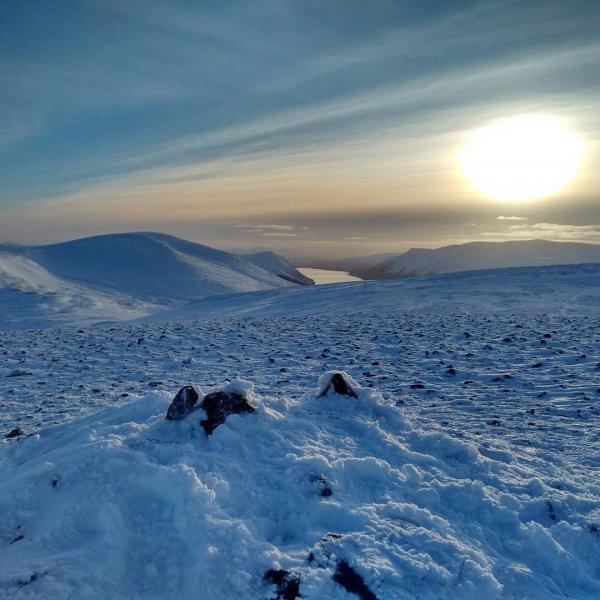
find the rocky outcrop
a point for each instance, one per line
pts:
(219, 405)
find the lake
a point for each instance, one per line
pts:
(321, 276)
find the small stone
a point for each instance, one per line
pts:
(14, 433)
(322, 484)
(19, 373)
(352, 582)
(288, 584)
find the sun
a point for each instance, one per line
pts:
(521, 158)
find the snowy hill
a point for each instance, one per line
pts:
(528, 289)
(118, 276)
(418, 262)
(273, 263)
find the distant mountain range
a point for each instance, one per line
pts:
(419, 262)
(124, 276)
(134, 275)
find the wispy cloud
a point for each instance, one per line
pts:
(270, 234)
(275, 227)
(501, 218)
(551, 231)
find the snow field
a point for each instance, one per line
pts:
(123, 504)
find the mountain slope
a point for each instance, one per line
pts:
(269, 261)
(480, 255)
(118, 276)
(527, 289)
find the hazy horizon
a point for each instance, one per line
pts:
(310, 129)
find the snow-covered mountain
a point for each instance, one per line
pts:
(479, 255)
(121, 276)
(269, 261)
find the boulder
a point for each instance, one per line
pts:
(183, 404)
(219, 405)
(339, 385)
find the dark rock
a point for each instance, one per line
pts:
(352, 582)
(14, 433)
(322, 483)
(155, 383)
(219, 405)
(417, 386)
(24, 582)
(288, 584)
(19, 373)
(340, 386)
(17, 539)
(183, 404)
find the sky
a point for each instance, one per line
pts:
(312, 127)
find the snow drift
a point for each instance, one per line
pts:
(125, 504)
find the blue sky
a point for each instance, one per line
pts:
(338, 120)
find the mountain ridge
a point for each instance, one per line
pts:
(419, 262)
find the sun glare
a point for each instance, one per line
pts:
(521, 158)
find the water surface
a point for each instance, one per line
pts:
(321, 276)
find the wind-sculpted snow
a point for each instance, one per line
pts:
(467, 466)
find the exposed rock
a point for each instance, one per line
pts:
(288, 584)
(322, 484)
(339, 385)
(14, 433)
(219, 405)
(352, 582)
(19, 373)
(183, 404)
(325, 552)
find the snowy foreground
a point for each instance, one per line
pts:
(468, 466)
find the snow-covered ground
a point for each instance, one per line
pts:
(468, 466)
